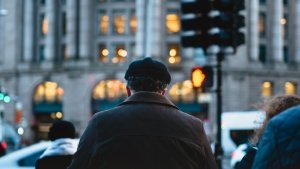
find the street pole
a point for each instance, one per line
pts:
(218, 146)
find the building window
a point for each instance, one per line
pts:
(262, 53)
(120, 54)
(132, 50)
(173, 22)
(108, 94)
(266, 89)
(133, 23)
(262, 2)
(102, 1)
(174, 53)
(182, 92)
(119, 21)
(262, 24)
(285, 2)
(48, 92)
(42, 2)
(44, 25)
(285, 54)
(103, 53)
(42, 53)
(64, 23)
(103, 22)
(290, 88)
(64, 52)
(284, 24)
(111, 90)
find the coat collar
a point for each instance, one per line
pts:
(148, 97)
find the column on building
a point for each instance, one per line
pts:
(86, 29)
(50, 46)
(253, 34)
(294, 31)
(156, 31)
(72, 28)
(140, 33)
(28, 31)
(274, 31)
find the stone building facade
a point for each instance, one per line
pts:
(83, 47)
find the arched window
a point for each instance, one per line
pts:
(189, 100)
(46, 107)
(108, 94)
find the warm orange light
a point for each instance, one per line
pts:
(197, 77)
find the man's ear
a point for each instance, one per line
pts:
(128, 91)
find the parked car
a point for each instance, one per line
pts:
(24, 158)
(238, 154)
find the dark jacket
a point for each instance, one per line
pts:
(247, 160)
(58, 155)
(146, 131)
(279, 148)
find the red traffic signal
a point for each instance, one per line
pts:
(202, 77)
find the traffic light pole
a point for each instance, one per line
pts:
(218, 146)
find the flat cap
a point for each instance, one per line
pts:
(148, 67)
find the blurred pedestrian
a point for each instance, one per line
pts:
(63, 146)
(146, 131)
(272, 107)
(279, 147)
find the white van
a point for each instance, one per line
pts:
(237, 127)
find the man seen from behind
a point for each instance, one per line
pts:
(146, 131)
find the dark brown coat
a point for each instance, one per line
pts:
(146, 131)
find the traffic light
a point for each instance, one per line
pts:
(229, 21)
(1, 95)
(200, 17)
(194, 23)
(6, 98)
(202, 77)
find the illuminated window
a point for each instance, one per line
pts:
(103, 23)
(48, 92)
(174, 53)
(119, 21)
(172, 23)
(290, 88)
(133, 23)
(284, 24)
(120, 54)
(103, 53)
(182, 92)
(44, 25)
(262, 24)
(266, 89)
(111, 90)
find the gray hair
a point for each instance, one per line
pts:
(146, 84)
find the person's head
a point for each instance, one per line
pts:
(147, 75)
(272, 107)
(61, 129)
